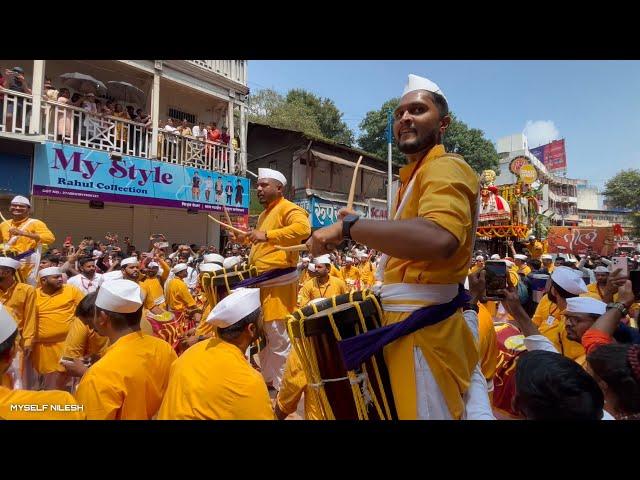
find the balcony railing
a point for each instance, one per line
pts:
(16, 111)
(65, 123)
(235, 70)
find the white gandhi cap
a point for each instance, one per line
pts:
(585, 305)
(20, 200)
(179, 268)
(45, 272)
(209, 267)
(120, 296)
(213, 258)
(569, 280)
(232, 262)
(9, 262)
(519, 256)
(601, 269)
(322, 259)
(8, 325)
(129, 261)
(495, 256)
(233, 308)
(420, 83)
(274, 174)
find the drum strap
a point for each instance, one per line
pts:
(271, 278)
(356, 350)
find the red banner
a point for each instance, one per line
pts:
(553, 155)
(579, 240)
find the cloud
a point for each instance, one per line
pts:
(540, 132)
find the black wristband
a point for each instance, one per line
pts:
(347, 223)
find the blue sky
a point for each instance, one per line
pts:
(594, 105)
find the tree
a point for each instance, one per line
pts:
(269, 107)
(623, 191)
(300, 110)
(478, 151)
(327, 115)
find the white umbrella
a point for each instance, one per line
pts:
(83, 83)
(126, 92)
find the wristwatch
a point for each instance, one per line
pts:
(347, 223)
(620, 306)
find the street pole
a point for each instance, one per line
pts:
(390, 171)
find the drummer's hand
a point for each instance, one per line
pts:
(477, 286)
(257, 236)
(325, 240)
(343, 212)
(189, 341)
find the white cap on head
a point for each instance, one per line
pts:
(96, 253)
(233, 308)
(209, 267)
(213, 258)
(362, 255)
(569, 280)
(509, 263)
(480, 258)
(312, 267)
(348, 259)
(231, 262)
(20, 200)
(180, 267)
(322, 259)
(45, 272)
(129, 261)
(519, 256)
(495, 256)
(110, 276)
(532, 237)
(8, 325)
(153, 264)
(9, 262)
(585, 305)
(274, 174)
(420, 83)
(120, 296)
(600, 269)
(546, 256)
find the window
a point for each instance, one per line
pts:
(180, 115)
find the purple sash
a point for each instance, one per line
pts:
(263, 277)
(356, 350)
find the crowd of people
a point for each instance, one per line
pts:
(106, 330)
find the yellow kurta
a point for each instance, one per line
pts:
(20, 300)
(550, 321)
(45, 405)
(294, 384)
(287, 224)
(367, 274)
(536, 249)
(475, 268)
(213, 380)
(487, 343)
(129, 381)
(155, 291)
(23, 244)
(312, 290)
(55, 313)
(204, 328)
(305, 276)
(524, 270)
(179, 298)
(350, 275)
(445, 192)
(82, 341)
(335, 272)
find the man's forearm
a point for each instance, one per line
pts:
(526, 326)
(608, 322)
(414, 239)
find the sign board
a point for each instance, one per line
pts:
(528, 174)
(578, 240)
(553, 155)
(68, 171)
(517, 163)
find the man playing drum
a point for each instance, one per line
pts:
(431, 365)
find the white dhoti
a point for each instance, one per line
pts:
(274, 355)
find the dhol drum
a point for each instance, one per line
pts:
(510, 346)
(217, 285)
(170, 327)
(315, 330)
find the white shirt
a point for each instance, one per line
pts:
(84, 284)
(169, 128)
(196, 131)
(208, 184)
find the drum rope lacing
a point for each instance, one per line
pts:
(362, 390)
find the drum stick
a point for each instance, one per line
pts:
(226, 214)
(352, 192)
(2, 217)
(222, 224)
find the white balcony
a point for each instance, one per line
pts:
(234, 70)
(15, 112)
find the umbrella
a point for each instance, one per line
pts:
(126, 92)
(83, 83)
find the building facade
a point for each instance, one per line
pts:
(89, 171)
